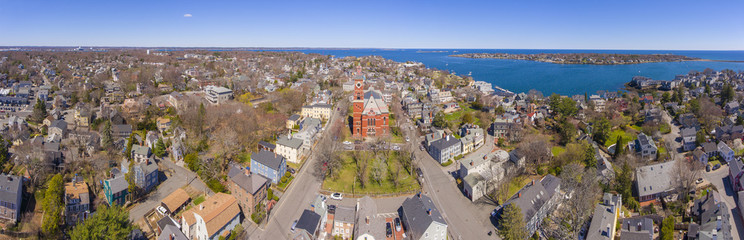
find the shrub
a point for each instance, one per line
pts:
(216, 185)
(284, 179)
(257, 217)
(447, 163)
(287, 174)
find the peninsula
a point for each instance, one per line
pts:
(584, 58)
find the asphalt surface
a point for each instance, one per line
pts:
(720, 179)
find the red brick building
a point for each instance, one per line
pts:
(370, 111)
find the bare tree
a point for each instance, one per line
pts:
(535, 150)
(378, 169)
(686, 173)
(582, 187)
(362, 163)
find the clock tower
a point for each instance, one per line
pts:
(358, 101)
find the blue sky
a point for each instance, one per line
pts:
(534, 24)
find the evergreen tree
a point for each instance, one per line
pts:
(53, 205)
(601, 130)
(106, 137)
(39, 112)
(619, 147)
(107, 223)
(159, 149)
(512, 223)
(3, 151)
(667, 228)
(589, 157)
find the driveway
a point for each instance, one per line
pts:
(673, 139)
(719, 178)
(181, 177)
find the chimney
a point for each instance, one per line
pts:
(201, 206)
(446, 137)
(428, 211)
(247, 170)
(638, 227)
(366, 219)
(471, 163)
(172, 236)
(533, 182)
(519, 194)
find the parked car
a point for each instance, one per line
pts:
(408, 139)
(292, 171)
(162, 210)
(419, 173)
(332, 209)
(717, 166)
(707, 168)
(337, 196)
(699, 181)
(388, 229)
(397, 225)
(294, 225)
(421, 147)
(347, 143)
(396, 148)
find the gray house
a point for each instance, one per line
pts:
(645, 146)
(537, 200)
(445, 148)
(637, 228)
(654, 181)
(688, 139)
(11, 194)
(422, 219)
(605, 217)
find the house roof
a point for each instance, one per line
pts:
(10, 187)
(294, 117)
(118, 184)
(655, 178)
(267, 145)
(419, 213)
(61, 124)
(630, 228)
(171, 232)
(216, 211)
(373, 102)
(445, 142)
(251, 183)
(176, 199)
(604, 218)
(473, 179)
(344, 214)
(269, 159)
(532, 198)
(77, 190)
(308, 221)
(287, 140)
(688, 132)
(367, 220)
(709, 147)
(141, 150)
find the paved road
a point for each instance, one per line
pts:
(672, 140)
(297, 198)
(720, 179)
(181, 177)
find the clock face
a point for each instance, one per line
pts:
(359, 85)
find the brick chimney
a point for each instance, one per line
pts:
(519, 194)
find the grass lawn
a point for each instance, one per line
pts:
(714, 162)
(627, 137)
(346, 181)
(283, 186)
(557, 150)
(456, 117)
(636, 127)
(665, 128)
(198, 200)
(296, 166)
(516, 184)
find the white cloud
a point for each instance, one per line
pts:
(188, 15)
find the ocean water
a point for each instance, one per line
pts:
(566, 79)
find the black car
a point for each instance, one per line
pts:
(419, 172)
(717, 166)
(332, 209)
(388, 229)
(707, 168)
(291, 170)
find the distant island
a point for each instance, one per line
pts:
(584, 58)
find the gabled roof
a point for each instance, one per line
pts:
(216, 211)
(176, 199)
(290, 142)
(419, 213)
(308, 221)
(268, 159)
(344, 214)
(445, 142)
(251, 183)
(10, 187)
(141, 150)
(373, 102)
(533, 197)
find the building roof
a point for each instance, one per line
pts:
(141, 150)
(176, 199)
(217, 211)
(709, 147)
(367, 220)
(118, 184)
(445, 142)
(532, 197)
(640, 228)
(251, 183)
(171, 232)
(61, 124)
(655, 178)
(77, 190)
(308, 221)
(267, 144)
(473, 179)
(289, 141)
(294, 117)
(373, 102)
(603, 220)
(10, 187)
(419, 213)
(121, 128)
(688, 132)
(645, 140)
(269, 159)
(344, 214)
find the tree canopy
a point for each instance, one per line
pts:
(53, 205)
(106, 223)
(563, 105)
(512, 223)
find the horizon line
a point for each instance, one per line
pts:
(351, 48)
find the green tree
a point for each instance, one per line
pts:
(3, 151)
(512, 223)
(601, 130)
(700, 137)
(567, 131)
(727, 94)
(159, 149)
(468, 118)
(563, 105)
(667, 228)
(707, 89)
(619, 147)
(130, 143)
(624, 181)
(192, 161)
(666, 97)
(130, 180)
(106, 137)
(695, 107)
(53, 205)
(589, 156)
(107, 223)
(39, 112)
(499, 110)
(439, 121)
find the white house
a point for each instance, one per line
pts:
(289, 147)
